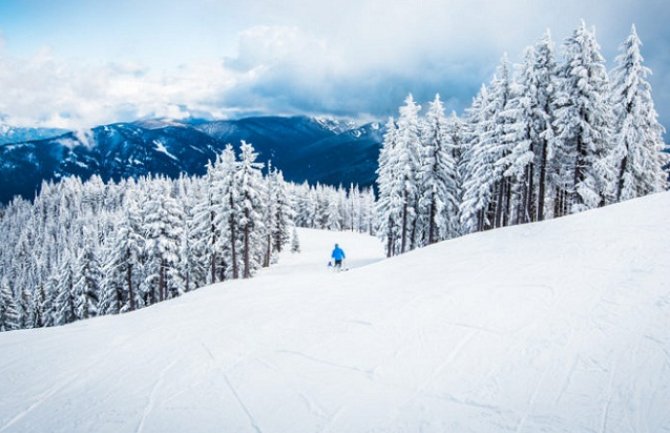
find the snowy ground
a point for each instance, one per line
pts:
(562, 326)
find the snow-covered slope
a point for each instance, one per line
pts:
(562, 326)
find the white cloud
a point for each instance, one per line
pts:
(355, 57)
(46, 91)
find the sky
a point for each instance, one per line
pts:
(80, 63)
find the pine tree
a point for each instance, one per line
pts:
(487, 192)
(583, 122)
(227, 211)
(498, 144)
(334, 218)
(476, 192)
(163, 223)
(407, 171)
(65, 300)
(281, 231)
(270, 214)
(295, 242)
(111, 286)
(522, 136)
(86, 283)
(438, 177)
(250, 192)
(544, 80)
(193, 247)
(9, 314)
(122, 263)
(205, 226)
(456, 132)
(41, 307)
(638, 141)
(388, 220)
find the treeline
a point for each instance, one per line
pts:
(552, 139)
(325, 207)
(84, 249)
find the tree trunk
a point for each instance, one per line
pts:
(390, 247)
(530, 191)
(268, 252)
(213, 245)
(521, 199)
(212, 267)
(431, 223)
(543, 180)
(129, 282)
(247, 271)
(578, 175)
(403, 241)
(500, 194)
(233, 247)
(161, 281)
(624, 163)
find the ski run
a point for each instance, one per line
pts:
(557, 326)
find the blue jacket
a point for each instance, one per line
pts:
(338, 254)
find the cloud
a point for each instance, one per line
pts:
(46, 91)
(358, 58)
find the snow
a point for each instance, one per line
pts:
(334, 125)
(561, 326)
(160, 147)
(79, 163)
(86, 138)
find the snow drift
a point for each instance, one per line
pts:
(562, 326)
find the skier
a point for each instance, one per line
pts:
(338, 256)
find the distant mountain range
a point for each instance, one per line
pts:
(309, 149)
(11, 134)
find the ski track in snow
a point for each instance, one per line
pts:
(556, 327)
(152, 396)
(252, 419)
(368, 373)
(40, 400)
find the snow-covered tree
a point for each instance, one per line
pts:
(227, 211)
(9, 314)
(542, 81)
(251, 190)
(66, 299)
(388, 218)
(522, 136)
(583, 125)
(295, 241)
(204, 214)
(163, 222)
(283, 221)
(87, 280)
(498, 144)
(638, 140)
(487, 192)
(438, 177)
(456, 132)
(193, 248)
(476, 192)
(121, 282)
(333, 213)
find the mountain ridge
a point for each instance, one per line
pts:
(172, 147)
